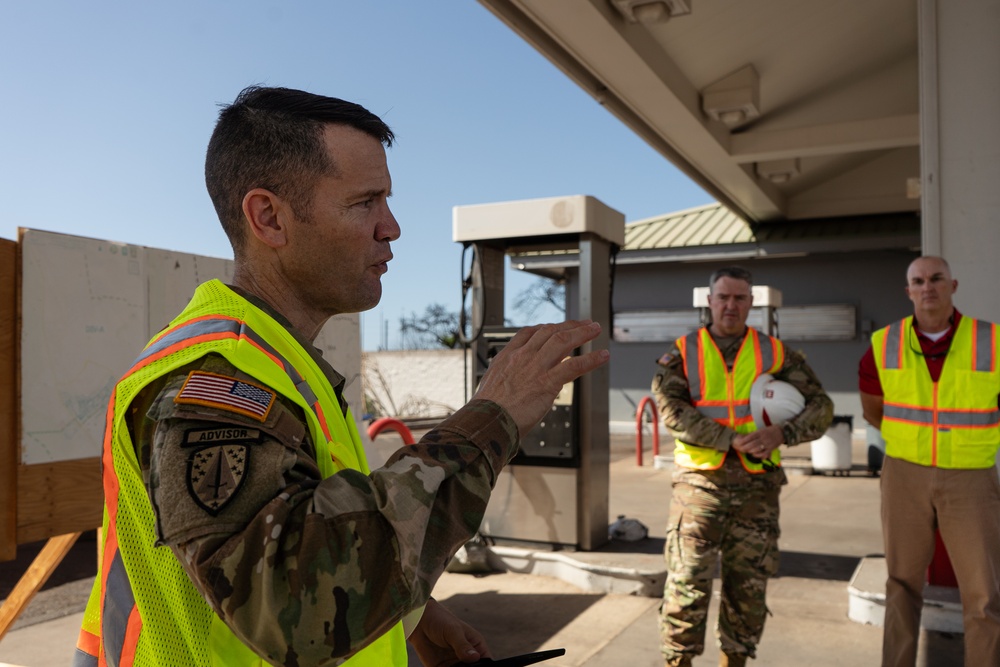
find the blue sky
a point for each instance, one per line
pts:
(108, 106)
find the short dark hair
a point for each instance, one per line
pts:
(273, 138)
(736, 272)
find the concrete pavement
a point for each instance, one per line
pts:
(829, 523)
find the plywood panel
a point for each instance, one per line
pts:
(89, 306)
(83, 304)
(8, 399)
(173, 278)
(57, 498)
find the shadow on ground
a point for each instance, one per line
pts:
(513, 623)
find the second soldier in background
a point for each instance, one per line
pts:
(727, 472)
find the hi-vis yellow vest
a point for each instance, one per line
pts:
(951, 423)
(724, 395)
(144, 610)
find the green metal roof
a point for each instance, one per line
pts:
(712, 224)
(714, 232)
(715, 225)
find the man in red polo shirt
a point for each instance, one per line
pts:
(931, 383)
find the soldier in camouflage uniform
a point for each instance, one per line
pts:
(726, 480)
(302, 567)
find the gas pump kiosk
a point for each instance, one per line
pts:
(556, 488)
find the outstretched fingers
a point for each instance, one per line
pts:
(525, 377)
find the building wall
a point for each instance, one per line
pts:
(415, 383)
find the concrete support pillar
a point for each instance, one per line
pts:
(960, 145)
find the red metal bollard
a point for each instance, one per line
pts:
(399, 427)
(646, 400)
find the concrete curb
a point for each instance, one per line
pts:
(597, 577)
(866, 602)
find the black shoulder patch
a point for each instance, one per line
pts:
(215, 473)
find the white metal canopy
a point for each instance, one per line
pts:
(781, 109)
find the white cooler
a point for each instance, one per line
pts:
(832, 452)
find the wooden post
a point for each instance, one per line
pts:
(34, 578)
(9, 449)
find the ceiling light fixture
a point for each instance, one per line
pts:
(734, 99)
(779, 171)
(651, 11)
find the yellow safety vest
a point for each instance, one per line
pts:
(724, 395)
(143, 609)
(951, 423)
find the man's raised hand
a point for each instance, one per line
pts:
(527, 375)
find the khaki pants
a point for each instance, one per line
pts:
(965, 506)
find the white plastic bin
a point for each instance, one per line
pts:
(876, 449)
(832, 452)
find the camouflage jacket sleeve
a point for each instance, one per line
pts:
(673, 400)
(308, 570)
(817, 415)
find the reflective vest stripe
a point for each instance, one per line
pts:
(969, 418)
(721, 414)
(694, 369)
(908, 414)
(983, 346)
(121, 602)
(204, 329)
(765, 355)
(88, 645)
(119, 605)
(892, 351)
(197, 327)
(133, 628)
(953, 418)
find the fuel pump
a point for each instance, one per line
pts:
(556, 489)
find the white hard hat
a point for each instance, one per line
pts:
(773, 401)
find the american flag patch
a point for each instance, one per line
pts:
(226, 393)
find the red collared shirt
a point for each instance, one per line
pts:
(934, 354)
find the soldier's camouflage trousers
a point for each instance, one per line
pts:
(728, 514)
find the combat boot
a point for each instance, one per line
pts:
(732, 660)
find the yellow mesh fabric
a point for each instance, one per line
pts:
(176, 620)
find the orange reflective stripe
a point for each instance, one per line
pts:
(132, 631)
(322, 420)
(758, 353)
(108, 462)
(89, 643)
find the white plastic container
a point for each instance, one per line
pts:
(832, 452)
(876, 449)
